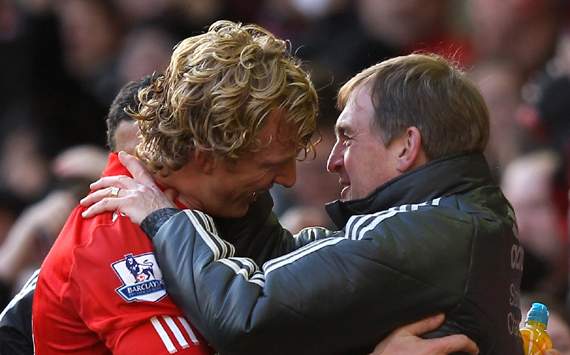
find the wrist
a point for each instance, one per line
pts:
(152, 223)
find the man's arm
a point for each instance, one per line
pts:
(324, 297)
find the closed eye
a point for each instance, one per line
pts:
(344, 138)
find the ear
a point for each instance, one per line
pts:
(410, 153)
(203, 160)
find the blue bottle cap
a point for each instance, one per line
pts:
(538, 312)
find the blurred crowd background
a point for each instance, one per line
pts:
(63, 61)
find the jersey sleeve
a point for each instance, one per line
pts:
(117, 290)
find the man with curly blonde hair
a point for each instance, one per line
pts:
(232, 103)
(226, 121)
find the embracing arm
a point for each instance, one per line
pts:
(325, 297)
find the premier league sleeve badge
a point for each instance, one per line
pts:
(141, 278)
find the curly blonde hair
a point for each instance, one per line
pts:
(217, 93)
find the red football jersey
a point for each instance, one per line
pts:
(100, 291)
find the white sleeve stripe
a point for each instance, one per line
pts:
(374, 223)
(28, 287)
(246, 262)
(208, 226)
(242, 265)
(204, 222)
(379, 218)
(212, 242)
(163, 335)
(219, 247)
(188, 329)
(251, 264)
(227, 248)
(308, 231)
(243, 272)
(232, 249)
(306, 251)
(355, 222)
(259, 283)
(213, 247)
(269, 263)
(234, 267)
(176, 331)
(209, 222)
(370, 221)
(212, 224)
(416, 207)
(349, 224)
(361, 219)
(32, 281)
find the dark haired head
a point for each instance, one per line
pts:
(125, 101)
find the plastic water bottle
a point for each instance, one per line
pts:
(534, 335)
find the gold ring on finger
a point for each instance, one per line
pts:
(115, 191)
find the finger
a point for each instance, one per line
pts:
(105, 205)
(552, 352)
(423, 326)
(96, 196)
(135, 167)
(120, 181)
(454, 343)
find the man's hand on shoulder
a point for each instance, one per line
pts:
(137, 197)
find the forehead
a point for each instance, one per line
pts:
(277, 129)
(358, 112)
(278, 138)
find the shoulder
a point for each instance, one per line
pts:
(409, 220)
(87, 249)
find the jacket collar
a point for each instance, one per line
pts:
(441, 177)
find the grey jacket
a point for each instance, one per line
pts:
(438, 239)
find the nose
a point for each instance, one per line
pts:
(287, 174)
(335, 158)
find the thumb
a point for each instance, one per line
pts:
(135, 167)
